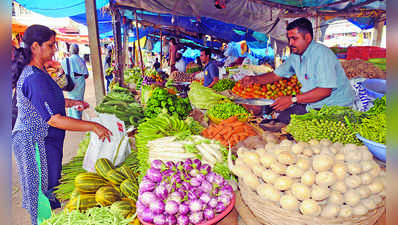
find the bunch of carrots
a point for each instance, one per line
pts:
(229, 132)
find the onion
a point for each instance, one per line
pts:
(209, 214)
(171, 207)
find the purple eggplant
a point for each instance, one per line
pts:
(183, 208)
(218, 179)
(205, 169)
(147, 215)
(196, 163)
(213, 202)
(211, 177)
(176, 196)
(220, 207)
(171, 207)
(171, 220)
(154, 175)
(198, 192)
(206, 186)
(180, 165)
(159, 219)
(209, 214)
(191, 195)
(161, 192)
(225, 199)
(215, 191)
(146, 198)
(171, 165)
(196, 217)
(157, 206)
(157, 164)
(188, 161)
(182, 220)
(194, 172)
(205, 197)
(187, 185)
(228, 187)
(195, 182)
(146, 185)
(188, 167)
(226, 192)
(201, 177)
(195, 205)
(140, 207)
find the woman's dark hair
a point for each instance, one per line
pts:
(173, 40)
(303, 24)
(22, 57)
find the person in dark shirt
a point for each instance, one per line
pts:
(156, 65)
(210, 68)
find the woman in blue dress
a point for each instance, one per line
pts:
(41, 119)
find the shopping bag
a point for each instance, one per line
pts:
(116, 150)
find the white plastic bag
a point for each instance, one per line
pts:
(116, 150)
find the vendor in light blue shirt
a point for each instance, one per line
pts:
(210, 68)
(323, 79)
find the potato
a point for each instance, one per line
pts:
(269, 147)
(369, 203)
(257, 169)
(333, 149)
(338, 146)
(286, 143)
(366, 154)
(316, 149)
(354, 168)
(303, 163)
(278, 149)
(308, 178)
(267, 159)
(269, 176)
(376, 186)
(340, 187)
(289, 202)
(339, 157)
(283, 183)
(339, 169)
(366, 178)
(352, 156)
(294, 171)
(322, 163)
(330, 210)
(301, 191)
(251, 157)
(286, 158)
(351, 197)
(359, 210)
(268, 192)
(307, 152)
(375, 171)
(313, 142)
(251, 180)
(278, 168)
(320, 192)
(241, 170)
(349, 148)
(345, 211)
(310, 207)
(325, 142)
(376, 198)
(325, 178)
(364, 191)
(366, 165)
(298, 148)
(353, 181)
(336, 197)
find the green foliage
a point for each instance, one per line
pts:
(224, 84)
(228, 109)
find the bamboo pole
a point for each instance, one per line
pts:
(117, 38)
(161, 48)
(139, 46)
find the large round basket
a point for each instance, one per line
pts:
(268, 213)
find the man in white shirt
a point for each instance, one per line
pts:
(180, 63)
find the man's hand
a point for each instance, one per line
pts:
(282, 103)
(247, 81)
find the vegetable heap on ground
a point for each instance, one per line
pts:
(316, 179)
(335, 123)
(182, 193)
(361, 68)
(162, 99)
(110, 186)
(203, 97)
(161, 126)
(70, 170)
(374, 127)
(279, 88)
(227, 109)
(224, 84)
(122, 104)
(93, 216)
(154, 77)
(229, 132)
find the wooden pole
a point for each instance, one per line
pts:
(96, 62)
(161, 48)
(139, 46)
(125, 56)
(117, 38)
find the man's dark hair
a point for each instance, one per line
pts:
(173, 40)
(303, 25)
(130, 49)
(207, 51)
(109, 51)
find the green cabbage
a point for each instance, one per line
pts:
(203, 97)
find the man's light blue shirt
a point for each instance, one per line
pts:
(319, 67)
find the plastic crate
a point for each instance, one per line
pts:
(365, 52)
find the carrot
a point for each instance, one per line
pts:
(205, 133)
(240, 129)
(229, 120)
(225, 131)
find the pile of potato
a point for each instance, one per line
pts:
(360, 68)
(318, 178)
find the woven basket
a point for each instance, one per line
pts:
(270, 214)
